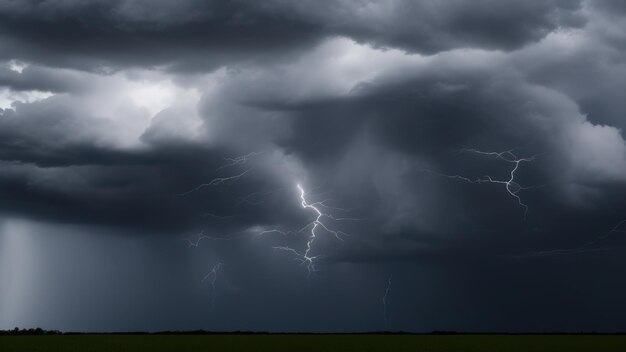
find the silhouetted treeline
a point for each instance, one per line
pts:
(40, 331)
(31, 331)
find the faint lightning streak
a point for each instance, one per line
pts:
(235, 236)
(242, 159)
(255, 198)
(216, 216)
(195, 243)
(586, 247)
(511, 186)
(385, 302)
(282, 232)
(278, 231)
(215, 182)
(212, 277)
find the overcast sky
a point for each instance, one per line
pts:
(461, 164)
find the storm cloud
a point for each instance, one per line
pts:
(474, 151)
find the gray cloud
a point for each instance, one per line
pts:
(197, 35)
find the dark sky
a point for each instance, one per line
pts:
(471, 154)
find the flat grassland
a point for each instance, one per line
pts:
(303, 343)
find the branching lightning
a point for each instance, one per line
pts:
(251, 199)
(510, 184)
(385, 302)
(212, 277)
(306, 257)
(586, 247)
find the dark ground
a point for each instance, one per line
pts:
(301, 343)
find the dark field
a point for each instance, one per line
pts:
(298, 343)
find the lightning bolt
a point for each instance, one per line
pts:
(212, 277)
(385, 301)
(586, 247)
(315, 226)
(510, 184)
